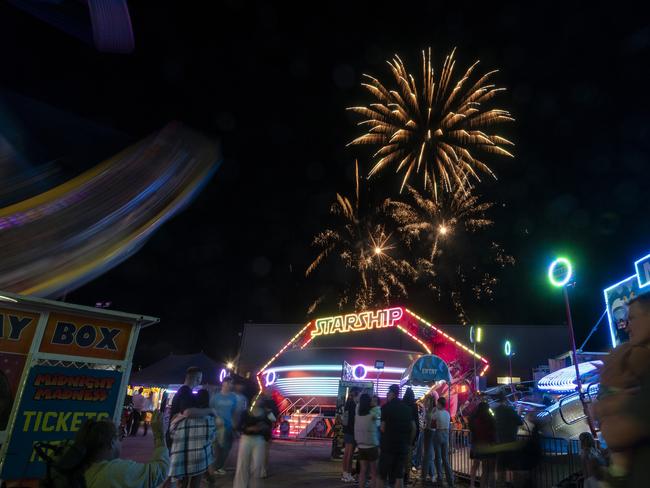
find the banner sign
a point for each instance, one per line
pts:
(74, 335)
(56, 401)
(17, 330)
(619, 295)
(426, 370)
(616, 299)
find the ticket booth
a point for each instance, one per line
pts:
(61, 365)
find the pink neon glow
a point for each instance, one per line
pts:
(484, 369)
(445, 335)
(311, 338)
(354, 372)
(417, 339)
(402, 329)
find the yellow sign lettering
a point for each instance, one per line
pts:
(56, 421)
(46, 418)
(355, 322)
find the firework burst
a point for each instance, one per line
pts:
(362, 248)
(438, 125)
(444, 235)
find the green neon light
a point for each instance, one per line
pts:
(507, 348)
(551, 272)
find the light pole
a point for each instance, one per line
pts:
(379, 366)
(560, 274)
(475, 335)
(507, 349)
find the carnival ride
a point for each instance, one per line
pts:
(314, 386)
(98, 219)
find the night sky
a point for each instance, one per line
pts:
(272, 83)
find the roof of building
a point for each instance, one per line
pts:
(171, 370)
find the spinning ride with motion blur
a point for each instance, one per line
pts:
(94, 221)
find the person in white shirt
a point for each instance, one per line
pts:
(100, 442)
(366, 436)
(442, 421)
(138, 407)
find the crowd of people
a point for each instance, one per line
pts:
(393, 440)
(193, 437)
(396, 443)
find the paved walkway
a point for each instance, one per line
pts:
(291, 464)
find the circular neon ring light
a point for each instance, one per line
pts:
(359, 376)
(507, 348)
(222, 375)
(269, 378)
(551, 272)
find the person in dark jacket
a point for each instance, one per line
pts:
(409, 401)
(483, 430)
(397, 434)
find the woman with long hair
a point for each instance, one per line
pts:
(483, 430)
(409, 400)
(367, 438)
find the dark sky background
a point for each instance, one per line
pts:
(272, 83)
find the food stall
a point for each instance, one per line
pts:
(61, 365)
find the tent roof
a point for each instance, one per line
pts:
(171, 370)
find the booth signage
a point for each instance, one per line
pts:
(87, 337)
(619, 295)
(355, 322)
(426, 370)
(55, 403)
(17, 330)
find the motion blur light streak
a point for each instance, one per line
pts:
(95, 221)
(434, 124)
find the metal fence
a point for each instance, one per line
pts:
(556, 460)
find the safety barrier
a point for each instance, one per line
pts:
(556, 459)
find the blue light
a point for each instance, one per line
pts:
(507, 348)
(637, 284)
(643, 273)
(359, 372)
(612, 329)
(270, 377)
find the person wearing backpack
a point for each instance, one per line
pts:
(100, 443)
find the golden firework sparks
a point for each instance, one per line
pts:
(362, 249)
(437, 125)
(443, 236)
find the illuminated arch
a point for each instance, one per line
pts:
(425, 334)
